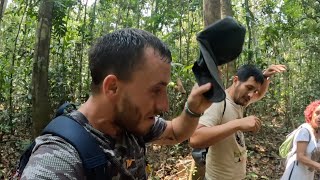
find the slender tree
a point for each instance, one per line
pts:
(40, 95)
(3, 4)
(13, 60)
(211, 14)
(214, 10)
(211, 11)
(249, 19)
(83, 32)
(229, 69)
(226, 8)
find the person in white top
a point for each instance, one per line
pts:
(304, 158)
(223, 132)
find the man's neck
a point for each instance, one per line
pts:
(100, 116)
(230, 91)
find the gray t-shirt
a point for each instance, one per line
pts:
(54, 158)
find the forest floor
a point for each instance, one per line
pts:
(172, 162)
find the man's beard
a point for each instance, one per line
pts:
(242, 103)
(127, 116)
(240, 100)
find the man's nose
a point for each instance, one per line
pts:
(250, 94)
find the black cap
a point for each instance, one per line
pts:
(220, 43)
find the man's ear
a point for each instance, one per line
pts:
(235, 79)
(110, 85)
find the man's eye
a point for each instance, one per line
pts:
(157, 91)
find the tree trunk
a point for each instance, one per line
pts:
(81, 49)
(13, 61)
(249, 19)
(138, 11)
(226, 8)
(92, 20)
(211, 11)
(119, 2)
(92, 25)
(214, 10)
(229, 69)
(3, 5)
(155, 11)
(40, 94)
(211, 14)
(180, 32)
(188, 36)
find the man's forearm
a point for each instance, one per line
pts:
(178, 130)
(263, 90)
(208, 136)
(183, 126)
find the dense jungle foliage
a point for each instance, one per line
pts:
(278, 32)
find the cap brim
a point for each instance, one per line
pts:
(205, 70)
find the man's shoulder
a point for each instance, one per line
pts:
(54, 146)
(52, 156)
(52, 142)
(216, 107)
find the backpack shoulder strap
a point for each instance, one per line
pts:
(295, 133)
(224, 110)
(61, 110)
(309, 129)
(92, 156)
(224, 107)
(309, 134)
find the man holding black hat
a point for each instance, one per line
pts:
(130, 70)
(222, 125)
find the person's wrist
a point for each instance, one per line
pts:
(190, 112)
(264, 73)
(235, 125)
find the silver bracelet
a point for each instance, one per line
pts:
(189, 112)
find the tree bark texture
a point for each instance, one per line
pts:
(211, 11)
(3, 5)
(229, 69)
(40, 94)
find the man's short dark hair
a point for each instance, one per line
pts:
(121, 53)
(248, 70)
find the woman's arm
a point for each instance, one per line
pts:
(303, 158)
